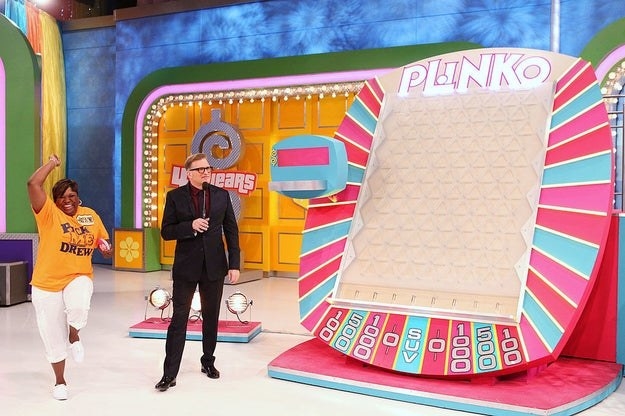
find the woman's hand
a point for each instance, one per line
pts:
(105, 248)
(54, 158)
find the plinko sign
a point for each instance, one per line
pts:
(468, 234)
(493, 71)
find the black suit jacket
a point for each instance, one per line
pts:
(192, 247)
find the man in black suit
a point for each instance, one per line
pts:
(198, 216)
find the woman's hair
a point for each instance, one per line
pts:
(61, 186)
(192, 158)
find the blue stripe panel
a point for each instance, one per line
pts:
(596, 168)
(410, 359)
(314, 297)
(142, 334)
(362, 115)
(241, 338)
(573, 253)
(545, 326)
(316, 238)
(355, 174)
(580, 104)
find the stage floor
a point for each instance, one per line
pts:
(119, 371)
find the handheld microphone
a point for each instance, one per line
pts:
(204, 190)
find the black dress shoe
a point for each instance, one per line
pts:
(210, 371)
(165, 383)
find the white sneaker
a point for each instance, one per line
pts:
(59, 392)
(78, 351)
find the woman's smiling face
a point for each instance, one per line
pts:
(68, 202)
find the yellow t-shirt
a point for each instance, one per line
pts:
(66, 245)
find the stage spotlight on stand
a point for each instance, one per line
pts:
(196, 307)
(159, 298)
(237, 303)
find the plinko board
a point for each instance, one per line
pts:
(468, 235)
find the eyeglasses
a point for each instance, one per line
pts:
(201, 170)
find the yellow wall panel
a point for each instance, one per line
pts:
(253, 158)
(287, 246)
(251, 116)
(252, 246)
(178, 120)
(289, 210)
(167, 250)
(253, 205)
(174, 154)
(292, 114)
(330, 111)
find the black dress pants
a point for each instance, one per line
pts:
(211, 292)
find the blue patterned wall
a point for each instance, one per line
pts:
(104, 65)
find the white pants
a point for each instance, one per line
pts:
(56, 310)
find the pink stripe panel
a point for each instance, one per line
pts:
(586, 197)
(506, 334)
(568, 282)
(593, 117)
(570, 74)
(315, 316)
(587, 227)
(370, 100)
(582, 146)
(318, 257)
(306, 156)
(310, 262)
(536, 350)
(376, 87)
(559, 308)
(386, 354)
(433, 361)
(582, 80)
(356, 154)
(331, 214)
(354, 132)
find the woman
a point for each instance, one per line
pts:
(62, 282)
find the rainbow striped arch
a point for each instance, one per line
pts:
(562, 234)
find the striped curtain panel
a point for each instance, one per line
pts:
(44, 36)
(53, 97)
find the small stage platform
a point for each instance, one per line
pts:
(228, 331)
(565, 387)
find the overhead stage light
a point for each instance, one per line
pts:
(237, 303)
(159, 298)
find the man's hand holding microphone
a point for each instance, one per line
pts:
(200, 225)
